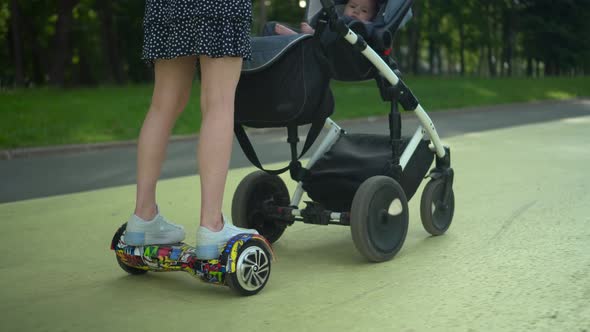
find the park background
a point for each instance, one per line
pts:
(71, 70)
(516, 256)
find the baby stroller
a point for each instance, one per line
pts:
(358, 180)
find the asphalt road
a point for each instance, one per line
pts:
(516, 258)
(64, 173)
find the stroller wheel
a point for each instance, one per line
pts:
(436, 218)
(379, 218)
(254, 192)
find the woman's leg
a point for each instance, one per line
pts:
(172, 87)
(219, 78)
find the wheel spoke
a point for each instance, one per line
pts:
(248, 277)
(258, 279)
(247, 260)
(262, 270)
(254, 267)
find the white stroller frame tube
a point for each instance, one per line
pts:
(411, 147)
(384, 69)
(331, 137)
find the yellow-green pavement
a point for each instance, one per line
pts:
(516, 258)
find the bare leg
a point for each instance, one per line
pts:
(219, 78)
(173, 81)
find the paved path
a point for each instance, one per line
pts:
(515, 259)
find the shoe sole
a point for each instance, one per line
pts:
(209, 251)
(142, 238)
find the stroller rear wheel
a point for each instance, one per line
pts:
(248, 205)
(379, 218)
(436, 217)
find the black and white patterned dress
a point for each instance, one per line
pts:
(216, 28)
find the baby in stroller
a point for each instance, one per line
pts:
(362, 10)
(358, 180)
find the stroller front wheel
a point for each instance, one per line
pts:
(379, 218)
(436, 217)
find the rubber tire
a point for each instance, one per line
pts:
(368, 206)
(248, 198)
(232, 278)
(437, 223)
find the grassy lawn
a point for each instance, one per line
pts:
(41, 117)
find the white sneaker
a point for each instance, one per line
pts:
(210, 243)
(156, 231)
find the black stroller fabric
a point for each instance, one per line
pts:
(291, 88)
(335, 178)
(346, 64)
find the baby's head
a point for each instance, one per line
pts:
(362, 10)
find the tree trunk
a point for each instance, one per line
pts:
(38, 52)
(17, 44)
(431, 55)
(61, 43)
(262, 16)
(462, 45)
(84, 72)
(481, 61)
(529, 67)
(414, 40)
(509, 38)
(439, 64)
(491, 62)
(109, 41)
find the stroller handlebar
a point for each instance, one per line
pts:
(327, 4)
(336, 23)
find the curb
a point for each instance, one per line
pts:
(75, 148)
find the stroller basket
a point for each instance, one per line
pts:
(336, 176)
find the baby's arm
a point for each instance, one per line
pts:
(306, 28)
(283, 30)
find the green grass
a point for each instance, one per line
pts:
(42, 117)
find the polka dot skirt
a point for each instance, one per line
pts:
(216, 28)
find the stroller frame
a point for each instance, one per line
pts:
(438, 193)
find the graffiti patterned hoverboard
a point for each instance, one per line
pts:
(244, 264)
